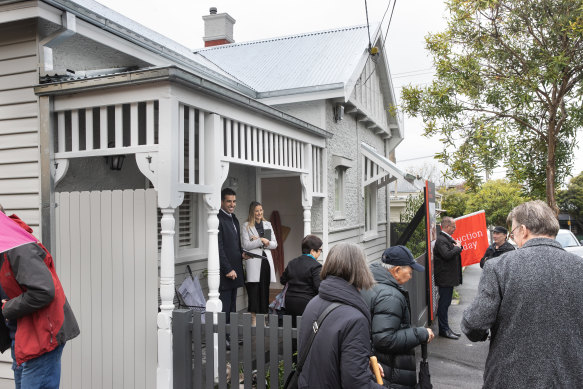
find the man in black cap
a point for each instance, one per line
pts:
(499, 246)
(393, 337)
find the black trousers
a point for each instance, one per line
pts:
(258, 292)
(445, 295)
(229, 299)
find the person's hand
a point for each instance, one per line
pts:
(265, 241)
(458, 243)
(245, 256)
(232, 274)
(371, 366)
(431, 335)
(381, 370)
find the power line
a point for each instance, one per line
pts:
(414, 75)
(384, 42)
(389, 25)
(385, 14)
(413, 159)
(414, 71)
(367, 25)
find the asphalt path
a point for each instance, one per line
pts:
(458, 363)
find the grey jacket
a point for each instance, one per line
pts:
(531, 300)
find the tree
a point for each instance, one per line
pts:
(571, 200)
(416, 243)
(453, 202)
(497, 198)
(427, 171)
(508, 90)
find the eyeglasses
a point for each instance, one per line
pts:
(512, 232)
(320, 250)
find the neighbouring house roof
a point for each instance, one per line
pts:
(406, 187)
(309, 60)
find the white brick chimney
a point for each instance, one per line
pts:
(218, 28)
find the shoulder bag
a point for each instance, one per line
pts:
(292, 379)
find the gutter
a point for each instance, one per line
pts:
(141, 41)
(180, 76)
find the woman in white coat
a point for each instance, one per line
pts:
(258, 237)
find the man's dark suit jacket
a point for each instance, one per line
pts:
(447, 261)
(230, 251)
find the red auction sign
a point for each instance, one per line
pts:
(471, 231)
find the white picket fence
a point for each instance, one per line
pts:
(106, 258)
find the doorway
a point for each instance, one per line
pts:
(284, 195)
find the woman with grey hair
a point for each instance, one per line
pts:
(530, 301)
(339, 355)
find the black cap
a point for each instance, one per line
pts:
(400, 256)
(501, 230)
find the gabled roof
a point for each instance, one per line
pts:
(299, 63)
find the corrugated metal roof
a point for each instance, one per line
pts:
(112, 21)
(297, 61)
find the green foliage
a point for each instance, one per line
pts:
(417, 243)
(280, 373)
(495, 197)
(571, 200)
(453, 202)
(508, 91)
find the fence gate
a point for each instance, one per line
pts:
(106, 257)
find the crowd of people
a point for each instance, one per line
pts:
(528, 303)
(373, 303)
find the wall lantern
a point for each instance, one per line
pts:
(338, 113)
(115, 162)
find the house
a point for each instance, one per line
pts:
(115, 143)
(401, 191)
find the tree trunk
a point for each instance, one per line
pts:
(551, 168)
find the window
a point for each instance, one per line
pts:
(370, 209)
(339, 173)
(187, 223)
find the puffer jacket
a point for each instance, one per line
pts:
(36, 299)
(394, 340)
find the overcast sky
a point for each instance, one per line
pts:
(412, 20)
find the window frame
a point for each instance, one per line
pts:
(197, 223)
(339, 187)
(371, 223)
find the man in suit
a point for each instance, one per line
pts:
(448, 273)
(230, 253)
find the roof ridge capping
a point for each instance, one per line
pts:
(280, 38)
